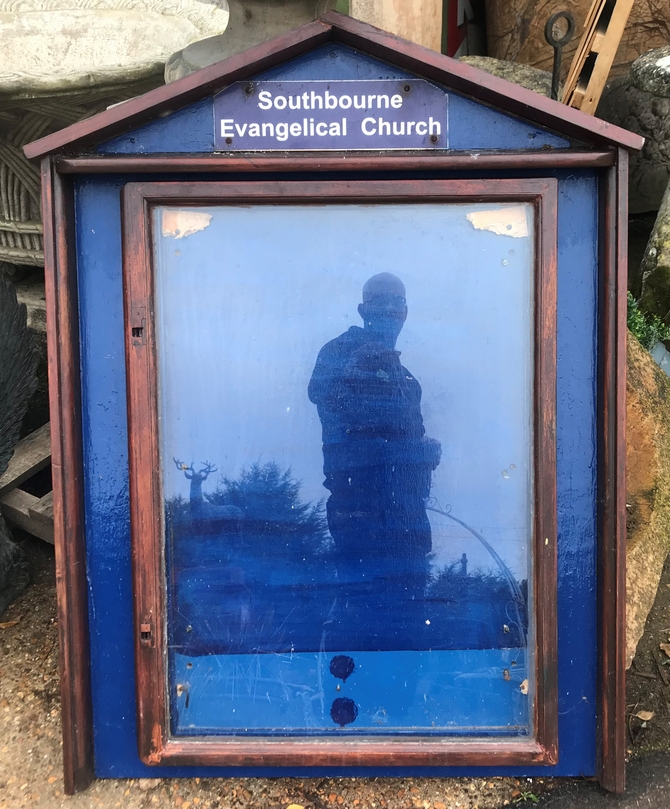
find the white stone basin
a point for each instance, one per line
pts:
(56, 45)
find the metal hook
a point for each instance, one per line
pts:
(557, 43)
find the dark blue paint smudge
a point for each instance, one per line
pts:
(342, 666)
(343, 711)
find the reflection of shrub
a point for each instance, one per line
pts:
(486, 593)
(177, 508)
(449, 584)
(270, 502)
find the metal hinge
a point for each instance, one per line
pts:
(138, 325)
(146, 635)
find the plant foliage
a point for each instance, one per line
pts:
(270, 501)
(649, 329)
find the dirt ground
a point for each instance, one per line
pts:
(30, 745)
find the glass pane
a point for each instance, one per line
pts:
(346, 438)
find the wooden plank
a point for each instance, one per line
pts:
(593, 60)
(31, 454)
(153, 716)
(32, 514)
(17, 507)
(67, 477)
(477, 161)
(419, 21)
(42, 512)
(612, 479)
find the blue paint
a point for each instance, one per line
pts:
(455, 693)
(472, 125)
(106, 487)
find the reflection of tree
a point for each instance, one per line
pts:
(269, 499)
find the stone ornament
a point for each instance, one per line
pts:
(641, 102)
(52, 45)
(251, 22)
(651, 72)
(64, 60)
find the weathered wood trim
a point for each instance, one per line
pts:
(346, 161)
(146, 509)
(147, 523)
(67, 473)
(353, 752)
(334, 27)
(612, 476)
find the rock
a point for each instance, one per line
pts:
(30, 292)
(655, 267)
(148, 783)
(651, 72)
(73, 44)
(529, 77)
(625, 104)
(648, 487)
(251, 22)
(17, 384)
(13, 568)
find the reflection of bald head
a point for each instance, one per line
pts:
(385, 285)
(384, 308)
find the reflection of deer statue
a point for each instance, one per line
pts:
(224, 518)
(197, 479)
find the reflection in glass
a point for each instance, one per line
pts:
(319, 408)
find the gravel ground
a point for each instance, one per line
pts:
(30, 745)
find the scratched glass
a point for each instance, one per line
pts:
(346, 450)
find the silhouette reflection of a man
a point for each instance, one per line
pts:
(377, 459)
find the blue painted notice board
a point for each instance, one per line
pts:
(345, 363)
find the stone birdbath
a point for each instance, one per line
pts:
(251, 22)
(64, 60)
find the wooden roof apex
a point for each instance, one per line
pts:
(334, 27)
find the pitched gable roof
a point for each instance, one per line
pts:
(334, 27)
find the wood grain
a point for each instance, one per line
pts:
(67, 475)
(328, 162)
(612, 478)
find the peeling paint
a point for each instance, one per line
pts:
(511, 221)
(183, 223)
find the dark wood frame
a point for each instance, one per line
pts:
(613, 283)
(156, 746)
(329, 162)
(67, 472)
